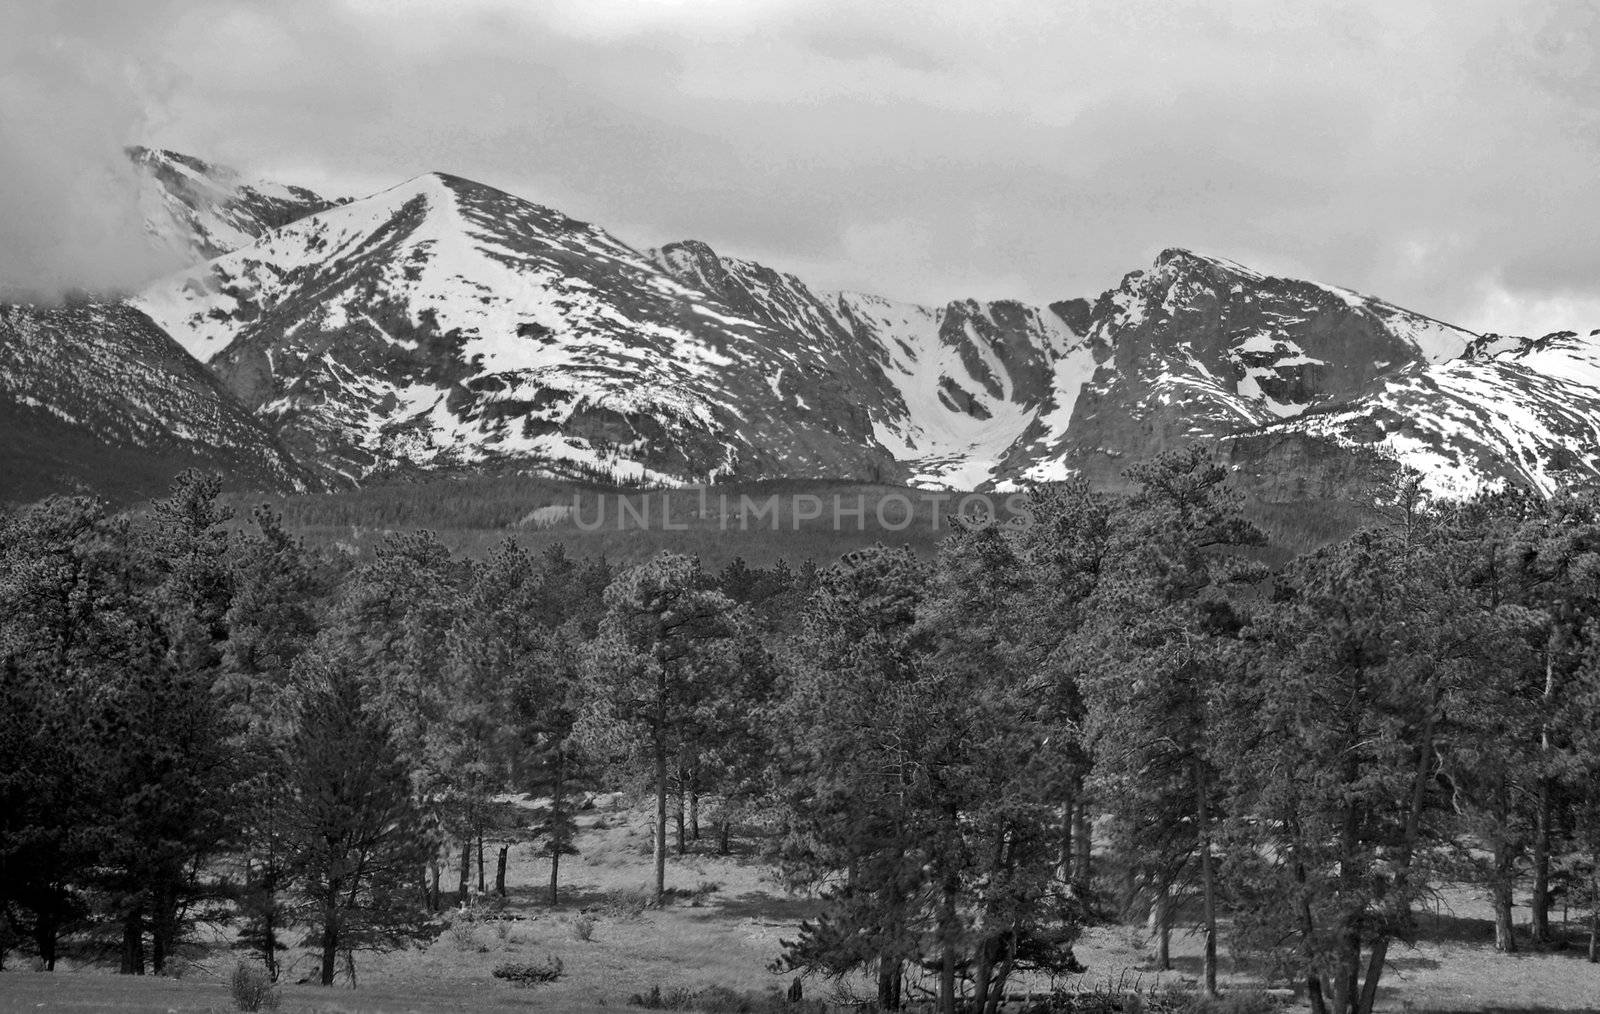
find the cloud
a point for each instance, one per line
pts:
(1439, 154)
(69, 217)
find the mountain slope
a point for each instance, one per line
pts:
(1203, 349)
(1525, 411)
(947, 389)
(200, 210)
(1195, 348)
(97, 397)
(445, 322)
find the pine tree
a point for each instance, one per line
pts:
(173, 781)
(846, 777)
(63, 621)
(1162, 622)
(1332, 756)
(665, 635)
(395, 616)
(353, 828)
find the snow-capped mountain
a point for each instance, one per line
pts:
(98, 397)
(947, 388)
(198, 210)
(1196, 348)
(1519, 410)
(1203, 348)
(443, 322)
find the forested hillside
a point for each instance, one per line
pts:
(960, 760)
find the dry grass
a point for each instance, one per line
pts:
(725, 935)
(724, 926)
(1454, 967)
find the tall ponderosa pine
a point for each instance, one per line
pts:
(847, 777)
(395, 617)
(1162, 627)
(664, 641)
(353, 829)
(1066, 549)
(173, 780)
(68, 619)
(1333, 753)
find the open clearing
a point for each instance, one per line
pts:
(725, 928)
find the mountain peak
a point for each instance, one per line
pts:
(203, 210)
(1182, 259)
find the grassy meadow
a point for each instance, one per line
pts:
(724, 928)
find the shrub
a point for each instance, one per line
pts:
(532, 973)
(626, 904)
(717, 999)
(464, 934)
(1244, 1001)
(253, 989)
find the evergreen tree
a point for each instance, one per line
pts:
(660, 642)
(1333, 756)
(61, 628)
(172, 779)
(352, 826)
(1162, 624)
(845, 774)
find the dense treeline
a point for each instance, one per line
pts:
(965, 759)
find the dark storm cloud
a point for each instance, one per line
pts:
(1439, 154)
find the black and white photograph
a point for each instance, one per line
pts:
(800, 506)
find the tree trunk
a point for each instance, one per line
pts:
(558, 827)
(164, 924)
(683, 846)
(1369, 992)
(500, 871)
(947, 980)
(483, 888)
(1065, 861)
(433, 901)
(1541, 836)
(465, 879)
(1541, 865)
(1500, 887)
(1346, 982)
(888, 984)
(981, 977)
(1163, 914)
(44, 938)
(661, 815)
(723, 846)
(330, 933)
(133, 943)
(269, 937)
(1208, 888)
(1081, 873)
(1319, 1005)
(694, 811)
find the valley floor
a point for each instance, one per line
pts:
(725, 928)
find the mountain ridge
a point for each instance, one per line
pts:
(444, 324)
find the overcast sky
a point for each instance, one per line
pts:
(1442, 155)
